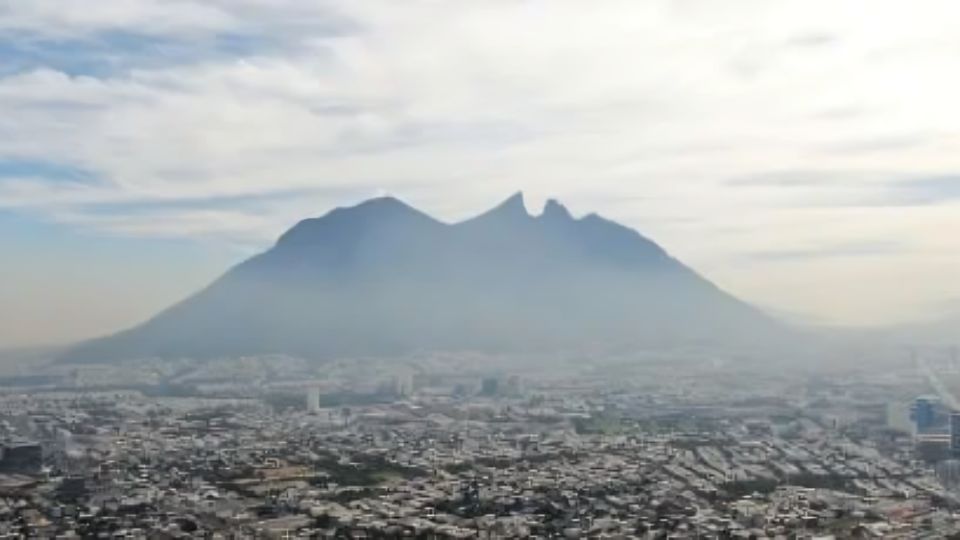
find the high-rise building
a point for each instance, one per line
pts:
(403, 385)
(924, 413)
(955, 433)
(514, 386)
(898, 416)
(313, 399)
(490, 386)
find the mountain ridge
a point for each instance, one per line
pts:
(382, 277)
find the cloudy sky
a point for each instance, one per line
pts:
(803, 155)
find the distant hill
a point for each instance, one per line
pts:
(383, 278)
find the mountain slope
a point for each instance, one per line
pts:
(384, 278)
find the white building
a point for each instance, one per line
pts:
(313, 399)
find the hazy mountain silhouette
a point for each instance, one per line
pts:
(384, 278)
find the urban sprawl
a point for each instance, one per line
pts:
(678, 445)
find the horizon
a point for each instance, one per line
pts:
(797, 154)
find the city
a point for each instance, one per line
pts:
(430, 447)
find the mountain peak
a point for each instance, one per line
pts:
(553, 210)
(511, 210)
(386, 203)
(514, 205)
(376, 212)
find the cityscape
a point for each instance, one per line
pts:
(435, 446)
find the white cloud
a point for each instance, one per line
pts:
(64, 18)
(646, 112)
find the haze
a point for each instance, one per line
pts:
(802, 155)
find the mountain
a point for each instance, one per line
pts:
(383, 278)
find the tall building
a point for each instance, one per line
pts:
(955, 433)
(313, 399)
(403, 385)
(924, 413)
(514, 386)
(898, 416)
(490, 386)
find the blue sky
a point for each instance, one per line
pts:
(803, 156)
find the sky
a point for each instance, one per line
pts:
(803, 155)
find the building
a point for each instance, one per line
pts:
(313, 399)
(21, 458)
(403, 385)
(948, 472)
(924, 413)
(490, 386)
(898, 416)
(514, 386)
(955, 433)
(932, 448)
